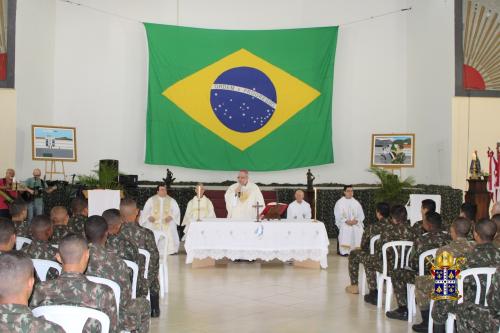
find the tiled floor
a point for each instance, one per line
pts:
(254, 297)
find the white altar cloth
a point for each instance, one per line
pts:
(247, 240)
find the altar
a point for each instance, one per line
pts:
(304, 242)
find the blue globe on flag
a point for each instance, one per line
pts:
(243, 99)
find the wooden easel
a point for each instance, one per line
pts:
(53, 169)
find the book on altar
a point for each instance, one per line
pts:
(274, 210)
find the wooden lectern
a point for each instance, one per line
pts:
(478, 195)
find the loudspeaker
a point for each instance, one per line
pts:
(129, 180)
(109, 169)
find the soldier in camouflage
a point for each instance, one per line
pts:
(144, 239)
(59, 217)
(125, 248)
(360, 255)
(496, 219)
(40, 248)
(484, 254)
(435, 237)
(417, 230)
(468, 211)
(7, 235)
(424, 285)
(134, 313)
(80, 212)
(477, 318)
(395, 230)
(73, 288)
(19, 211)
(16, 274)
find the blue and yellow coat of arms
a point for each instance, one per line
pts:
(446, 270)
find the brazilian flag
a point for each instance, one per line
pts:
(233, 99)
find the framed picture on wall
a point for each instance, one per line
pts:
(393, 150)
(53, 143)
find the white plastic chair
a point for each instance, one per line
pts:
(163, 269)
(410, 287)
(147, 255)
(42, 267)
(113, 285)
(135, 269)
(20, 241)
(401, 259)
(474, 272)
(72, 318)
(362, 271)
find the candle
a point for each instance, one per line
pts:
(315, 202)
(198, 191)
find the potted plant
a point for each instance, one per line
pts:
(392, 187)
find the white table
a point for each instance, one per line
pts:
(247, 240)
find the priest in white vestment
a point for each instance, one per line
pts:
(242, 197)
(349, 219)
(299, 209)
(206, 208)
(161, 212)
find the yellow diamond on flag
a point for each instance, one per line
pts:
(242, 98)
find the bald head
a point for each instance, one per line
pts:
(79, 206)
(299, 196)
(72, 249)
(128, 210)
(461, 226)
(484, 231)
(59, 215)
(243, 177)
(41, 228)
(16, 274)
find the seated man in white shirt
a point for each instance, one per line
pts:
(299, 209)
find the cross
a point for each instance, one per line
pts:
(257, 206)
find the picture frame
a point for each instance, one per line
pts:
(53, 143)
(393, 150)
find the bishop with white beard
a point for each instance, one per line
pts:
(242, 198)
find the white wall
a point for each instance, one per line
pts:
(34, 74)
(100, 78)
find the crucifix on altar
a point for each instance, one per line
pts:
(257, 207)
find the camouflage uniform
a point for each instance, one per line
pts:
(478, 318)
(392, 232)
(360, 255)
(76, 224)
(417, 230)
(75, 289)
(145, 239)
(60, 231)
(424, 285)
(23, 229)
(42, 250)
(127, 250)
(482, 255)
(18, 318)
(134, 313)
(401, 276)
